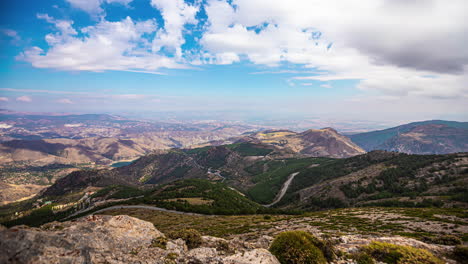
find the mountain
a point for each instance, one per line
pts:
(427, 137)
(383, 179)
(260, 171)
(326, 142)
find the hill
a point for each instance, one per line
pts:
(382, 179)
(326, 142)
(426, 137)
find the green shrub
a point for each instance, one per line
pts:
(297, 247)
(159, 242)
(362, 258)
(460, 253)
(395, 254)
(191, 237)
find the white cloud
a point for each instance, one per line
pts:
(389, 46)
(122, 45)
(176, 14)
(65, 101)
(4, 99)
(93, 7)
(24, 98)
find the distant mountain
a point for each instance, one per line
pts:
(326, 142)
(426, 137)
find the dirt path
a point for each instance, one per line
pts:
(283, 190)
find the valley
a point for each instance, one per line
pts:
(250, 188)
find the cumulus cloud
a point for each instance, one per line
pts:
(121, 45)
(398, 48)
(93, 7)
(391, 46)
(4, 99)
(24, 98)
(176, 14)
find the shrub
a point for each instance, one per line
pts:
(449, 240)
(191, 237)
(460, 253)
(267, 217)
(362, 258)
(159, 242)
(297, 247)
(395, 254)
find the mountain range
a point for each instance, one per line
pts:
(426, 137)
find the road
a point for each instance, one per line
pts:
(283, 190)
(149, 207)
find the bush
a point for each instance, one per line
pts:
(297, 247)
(395, 254)
(159, 242)
(449, 240)
(191, 237)
(362, 258)
(460, 253)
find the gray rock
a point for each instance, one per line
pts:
(114, 239)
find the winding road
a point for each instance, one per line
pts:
(283, 190)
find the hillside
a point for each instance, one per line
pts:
(427, 137)
(325, 142)
(382, 179)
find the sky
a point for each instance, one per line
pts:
(392, 60)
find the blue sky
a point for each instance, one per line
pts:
(367, 60)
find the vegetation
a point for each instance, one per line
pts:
(250, 149)
(396, 254)
(224, 200)
(191, 237)
(118, 192)
(268, 184)
(297, 247)
(460, 253)
(159, 242)
(401, 175)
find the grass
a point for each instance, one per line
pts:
(334, 222)
(220, 226)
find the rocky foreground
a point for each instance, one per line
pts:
(125, 239)
(116, 239)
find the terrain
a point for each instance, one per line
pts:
(239, 178)
(238, 197)
(145, 236)
(43, 161)
(426, 137)
(36, 149)
(326, 142)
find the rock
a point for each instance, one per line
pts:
(92, 238)
(264, 242)
(116, 239)
(176, 246)
(256, 256)
(203, 255)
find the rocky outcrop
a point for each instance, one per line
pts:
(115, 239)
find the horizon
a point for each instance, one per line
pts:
(394, 63)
